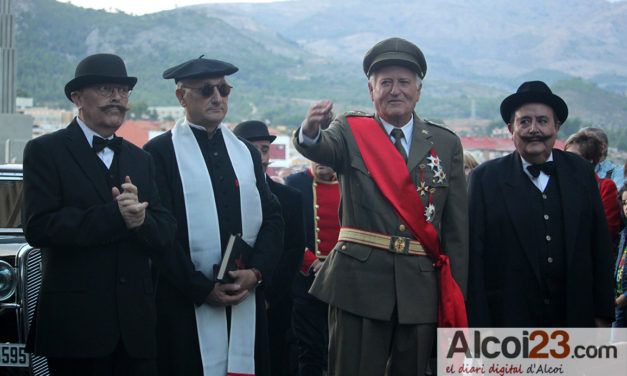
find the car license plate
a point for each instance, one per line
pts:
(13, 355)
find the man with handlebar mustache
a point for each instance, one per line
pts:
(538, 234)
(92, 205)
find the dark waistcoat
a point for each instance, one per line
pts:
(548, 240)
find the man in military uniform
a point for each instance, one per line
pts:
(404, 221)
(214, 184)
(321, 199)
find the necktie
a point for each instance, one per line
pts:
(546, 167)
(99, 143)
(398, 136)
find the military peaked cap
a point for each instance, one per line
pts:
(198, 68)
(533, 92)
(395, 51)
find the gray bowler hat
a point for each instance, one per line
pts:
(395, 51)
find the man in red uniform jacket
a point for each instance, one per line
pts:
(321, 200)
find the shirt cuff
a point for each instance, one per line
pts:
(305, 140)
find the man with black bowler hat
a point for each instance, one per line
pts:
(278, 294)
(91, 204)
(214, 184)
(538, 235)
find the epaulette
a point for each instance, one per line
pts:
(430, 122)
(358, 113)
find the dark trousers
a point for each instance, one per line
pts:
(366, 347)
(280, 336)
(309, 323)
(119, 363)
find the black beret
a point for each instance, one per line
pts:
(253, 130)
(395, 51)
(198, 68)
(533, 92)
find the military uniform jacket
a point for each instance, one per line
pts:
(371, 282)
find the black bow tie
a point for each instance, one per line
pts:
(99, 143)
(546, 167)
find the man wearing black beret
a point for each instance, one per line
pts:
(91, 204)
(214, 184)
(538, 234)
(402, 246)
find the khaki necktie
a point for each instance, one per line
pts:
(398, 137)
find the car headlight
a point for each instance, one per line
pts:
(8, 281)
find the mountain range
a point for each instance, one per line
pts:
(292, 53)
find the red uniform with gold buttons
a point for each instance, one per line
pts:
(321, 201)
(326, 226)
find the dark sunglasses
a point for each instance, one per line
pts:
(207, 90)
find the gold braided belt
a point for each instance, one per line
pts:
(394, 244)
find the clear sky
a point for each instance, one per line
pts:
(149, 6)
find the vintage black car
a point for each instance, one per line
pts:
(20, 279)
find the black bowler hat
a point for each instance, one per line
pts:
(99, 69)
(395, 51)
(533, 92)
(253, 130)
(199, 68)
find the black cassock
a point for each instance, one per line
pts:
(180, 286)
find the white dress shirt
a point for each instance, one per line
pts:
(543, 179)
(106, 154)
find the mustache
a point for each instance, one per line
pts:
(119, 107)
(539, 137)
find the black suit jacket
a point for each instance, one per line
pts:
(504, 279)
(293, 242)
(97, 287)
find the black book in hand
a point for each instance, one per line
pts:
(236, 254)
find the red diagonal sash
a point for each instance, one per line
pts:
(389, 172)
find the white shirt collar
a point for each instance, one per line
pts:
(525, 163)
(543, 179)
(200, 127)
(407, 128)
(88, 132)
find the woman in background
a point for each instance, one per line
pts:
(469, 163)
(589, 147)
